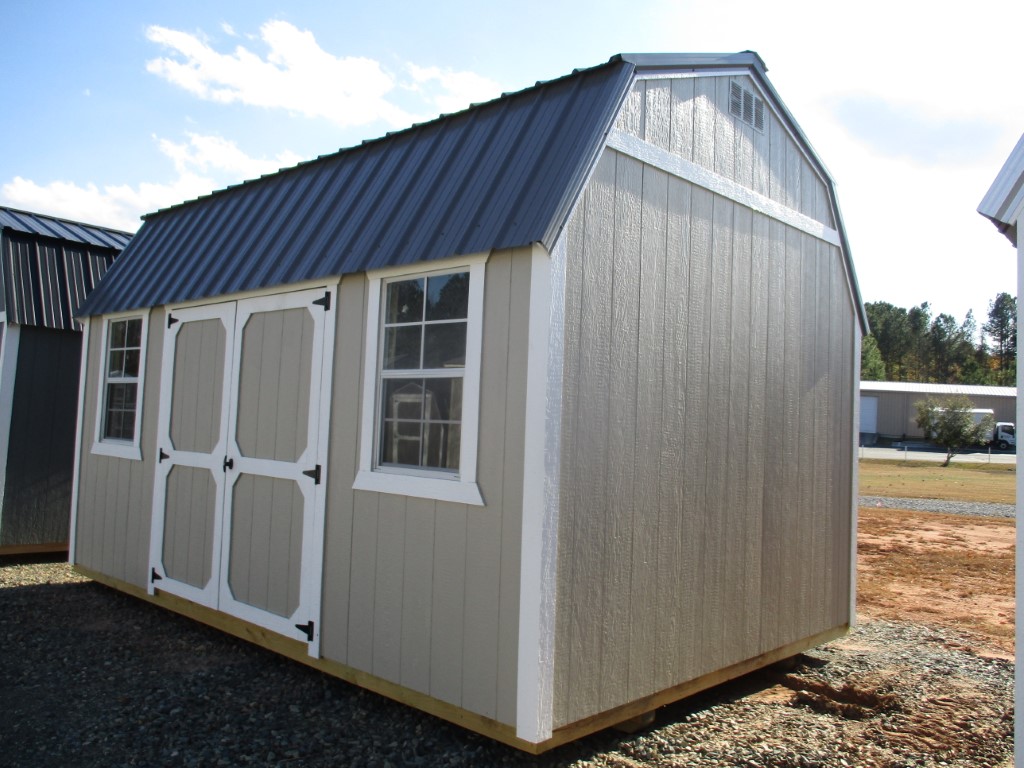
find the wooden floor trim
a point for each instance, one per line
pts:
(485, 726)
(34, 549)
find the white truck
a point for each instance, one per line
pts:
(1003, 434)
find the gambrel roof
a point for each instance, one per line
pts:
(1004, 201)
(501, 174)
(49, 265)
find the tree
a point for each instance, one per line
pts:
(872, 367)
(952, 424)
(1001, 327)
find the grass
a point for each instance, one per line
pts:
(994, 483)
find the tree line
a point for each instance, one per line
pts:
(911, 345)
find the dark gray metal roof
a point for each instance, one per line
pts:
(497, 175)
(48, 266)
(63, 229)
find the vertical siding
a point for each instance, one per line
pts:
(706, 467)
(37, 494)
(115, 496)
(690, 117)
(425, 593)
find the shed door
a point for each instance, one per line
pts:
(239, 497)
(868, 414)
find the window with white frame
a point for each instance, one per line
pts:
(120, 395)
(420, 413)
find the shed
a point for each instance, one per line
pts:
(888, 408)
(1003, 205)
(536, 416)
(47, 267)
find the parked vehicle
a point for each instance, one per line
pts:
(1004, 436)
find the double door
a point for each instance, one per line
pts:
(238, 503)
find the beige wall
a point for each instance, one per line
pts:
(690, 118)
(897, 415)
(426, 593)
(707, 438)
(421, 593)
(115, 496)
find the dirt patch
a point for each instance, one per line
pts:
(939, 569)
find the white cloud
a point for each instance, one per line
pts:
(457, 89)
(297, 75)
(214, 153)
(228, 30)
(202, 164)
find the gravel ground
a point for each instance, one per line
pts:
(91, 677)
(973, 508)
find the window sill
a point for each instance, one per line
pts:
(117, 450)
(435, 488)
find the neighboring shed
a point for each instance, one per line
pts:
(1003, 205)
(48, 267)
(536, 416)
(887, 408)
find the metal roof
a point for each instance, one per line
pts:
(1005, 198)
(937, 389)
(497, 175)
(62, 229)
(48, 266)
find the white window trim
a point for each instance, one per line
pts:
(458, 487)
(122, 449)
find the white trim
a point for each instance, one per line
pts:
(696, 174)
(8, 375)
(542, 446)
(123, 449)
(684, 73)
(855, 498)
(461, 488)
(76, 472)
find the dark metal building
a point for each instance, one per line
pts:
(48, 267)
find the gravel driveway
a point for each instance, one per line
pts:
(92, 677)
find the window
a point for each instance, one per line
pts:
(422, 384)
(120, 396)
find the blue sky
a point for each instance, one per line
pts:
(114, 109)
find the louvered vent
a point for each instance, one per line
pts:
(746, 106)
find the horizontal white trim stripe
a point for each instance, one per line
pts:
(684, 169)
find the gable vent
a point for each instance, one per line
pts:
(746, 106)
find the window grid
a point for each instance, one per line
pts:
(124, 348)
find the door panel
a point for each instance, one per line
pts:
(189, 487)
(189, 525)
(238, 507)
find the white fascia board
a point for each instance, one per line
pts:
(542, 452)
(684, 169)
(76, 473)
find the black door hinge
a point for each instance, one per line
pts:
(325, 302)
(228, 463)
(154, 577)
(308, 629)
(162, 456)
(314, 473)
(171, 320)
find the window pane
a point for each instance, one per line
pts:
(402, 347)
(112, 427)
(441, 446)
(131, 362)
(116, 366)
(439, 395)
(448, 297)
(401, 443)
(117, 333)
(404, 302)
(403, 399)
(444, 345)
(133, 333)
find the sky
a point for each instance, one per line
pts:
(117, 109)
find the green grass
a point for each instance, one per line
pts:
(994, 483)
